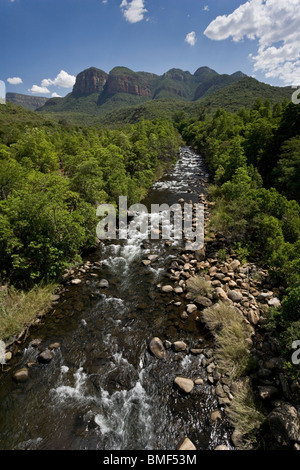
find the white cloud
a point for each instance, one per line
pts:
(206, 8)
(55, 95)
(275, 24)
(15, 80)
(134, 10)
(63, 80)
(40, 90)
(191, 38)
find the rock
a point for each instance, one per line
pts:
(8, 356)
(223, 401)
(203, 301)
(220, 392)
(183, 384)
(167, 344)
(35, 343)
(179, 346)
(153, 258)
(186, 444)
(167, 289)
(178, 290)
(253, 317)
(157, 348)
(196, 351)
(54, 346)
(221, 447)
(275, 302)
(45, 356)
(274, 363)
(235, 295)
(267, 392)
(200, 254)
(191, 308)
(198, 381)
(103, 284)
(76, 281)
(220, 294)
(215, 415)
(21, 375)
(284, 423)
(234, 265)
(146, 262)
(237, 439)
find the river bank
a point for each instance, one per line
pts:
(92, 357)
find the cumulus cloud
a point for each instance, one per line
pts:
(134, 10)
(40, 90)
(63, 80)
(275, 24)
(191, 38)
(55, 95)
(15, 80)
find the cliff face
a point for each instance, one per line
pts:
(90, 81)
(27, 101)
(96, 91)
(125, 84)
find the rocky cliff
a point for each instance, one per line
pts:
(90, 81)
(27, 101)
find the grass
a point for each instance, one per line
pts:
(19, 309)
(231, 333)
(197, 285)
(245, 415)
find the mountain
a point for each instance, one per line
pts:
(125, 92)
(27, 101)
(96, 92)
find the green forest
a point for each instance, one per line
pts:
(54, 173)
(253, 156)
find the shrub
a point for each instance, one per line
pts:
(197, 285)
(18, 309)
(231, 333)
(245, 415)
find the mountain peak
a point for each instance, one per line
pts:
(91, 80)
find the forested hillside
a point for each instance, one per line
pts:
(52, 177)
(254, 161)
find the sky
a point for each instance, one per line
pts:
(46, 43)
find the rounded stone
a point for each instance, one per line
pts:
(183, 384)
(21, 375)
(157, 348)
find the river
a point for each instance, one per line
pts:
(103, 389)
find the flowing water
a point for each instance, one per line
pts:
(103, 389)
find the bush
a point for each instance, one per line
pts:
(231, 333)
(291, 306)
(197, 285)
(245, 415)
(18, 309)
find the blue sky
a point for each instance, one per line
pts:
(46, 43)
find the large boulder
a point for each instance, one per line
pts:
(235, 295)
(183, 384)
(157, 348)
(284, 423)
